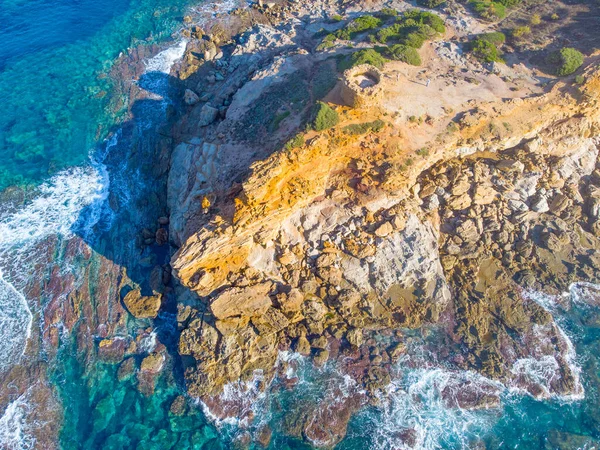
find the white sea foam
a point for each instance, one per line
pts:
(214, 8)
(73, 201)
(158, 69)
(54, 211)
(415, 404)
(14, 429)
(148, 343)
(15, 323)
(163, 61)
(244, 396)
(584, 294)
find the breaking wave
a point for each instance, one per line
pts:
(71, 203)
(422, 411)
(53, 212)
(14, 428)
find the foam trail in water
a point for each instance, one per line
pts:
(53, 211)
(15, 324)
(415, 413)
(14, 430)
(158, 68)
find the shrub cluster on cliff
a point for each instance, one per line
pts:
(395, 37)
(565, 61)
(486, 47)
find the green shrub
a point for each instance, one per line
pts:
(496, 37)
(387, 13)
(509, 3)
(404, 53)
(579, 79)
(565, 61)
(280, 117)
(336, 18)
(425, 18)
(296, 142)
(521, 32)
(485, 51)
(413, 29)
(431, 4)
(536, 19)
(488, 10)
(362, 128)
(392, 32)
(416, 39)
(365, 56)
(422, 152)
(327, 42)
(324, 117)
(363, 23)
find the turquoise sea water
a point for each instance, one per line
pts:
(54, 88)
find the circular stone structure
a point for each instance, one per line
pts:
(361, 86)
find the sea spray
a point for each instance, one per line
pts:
(52, 212)
(14, 428)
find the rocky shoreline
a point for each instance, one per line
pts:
(336, 248)
(424, 222)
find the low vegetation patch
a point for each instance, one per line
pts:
(489, 10)
(296, 142)
(363, 128)
(485, 47)
(366, 56)
(521, 32)
(565, 61)
(395, 36)
(323, 117)
(404, 53)
(431, 4)
(358, 26)
(280, 117)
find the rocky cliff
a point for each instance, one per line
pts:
(468, 199)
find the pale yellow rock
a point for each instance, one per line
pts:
(248, 301)
(384, 230)
(140, 306)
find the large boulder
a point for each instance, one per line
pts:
(142, 306)
(208, 115)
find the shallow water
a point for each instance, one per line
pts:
(54, 60)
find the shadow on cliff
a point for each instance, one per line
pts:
(123, 226)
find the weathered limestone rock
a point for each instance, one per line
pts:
(190, 97)
(208, 115)
(251, 301)
(140, 306)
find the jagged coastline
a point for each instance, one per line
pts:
(477, 191)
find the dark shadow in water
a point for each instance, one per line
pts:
(135, 160)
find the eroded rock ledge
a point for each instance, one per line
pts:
(336, 248)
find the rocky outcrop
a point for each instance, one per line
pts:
(311, 256)
(334, 247)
